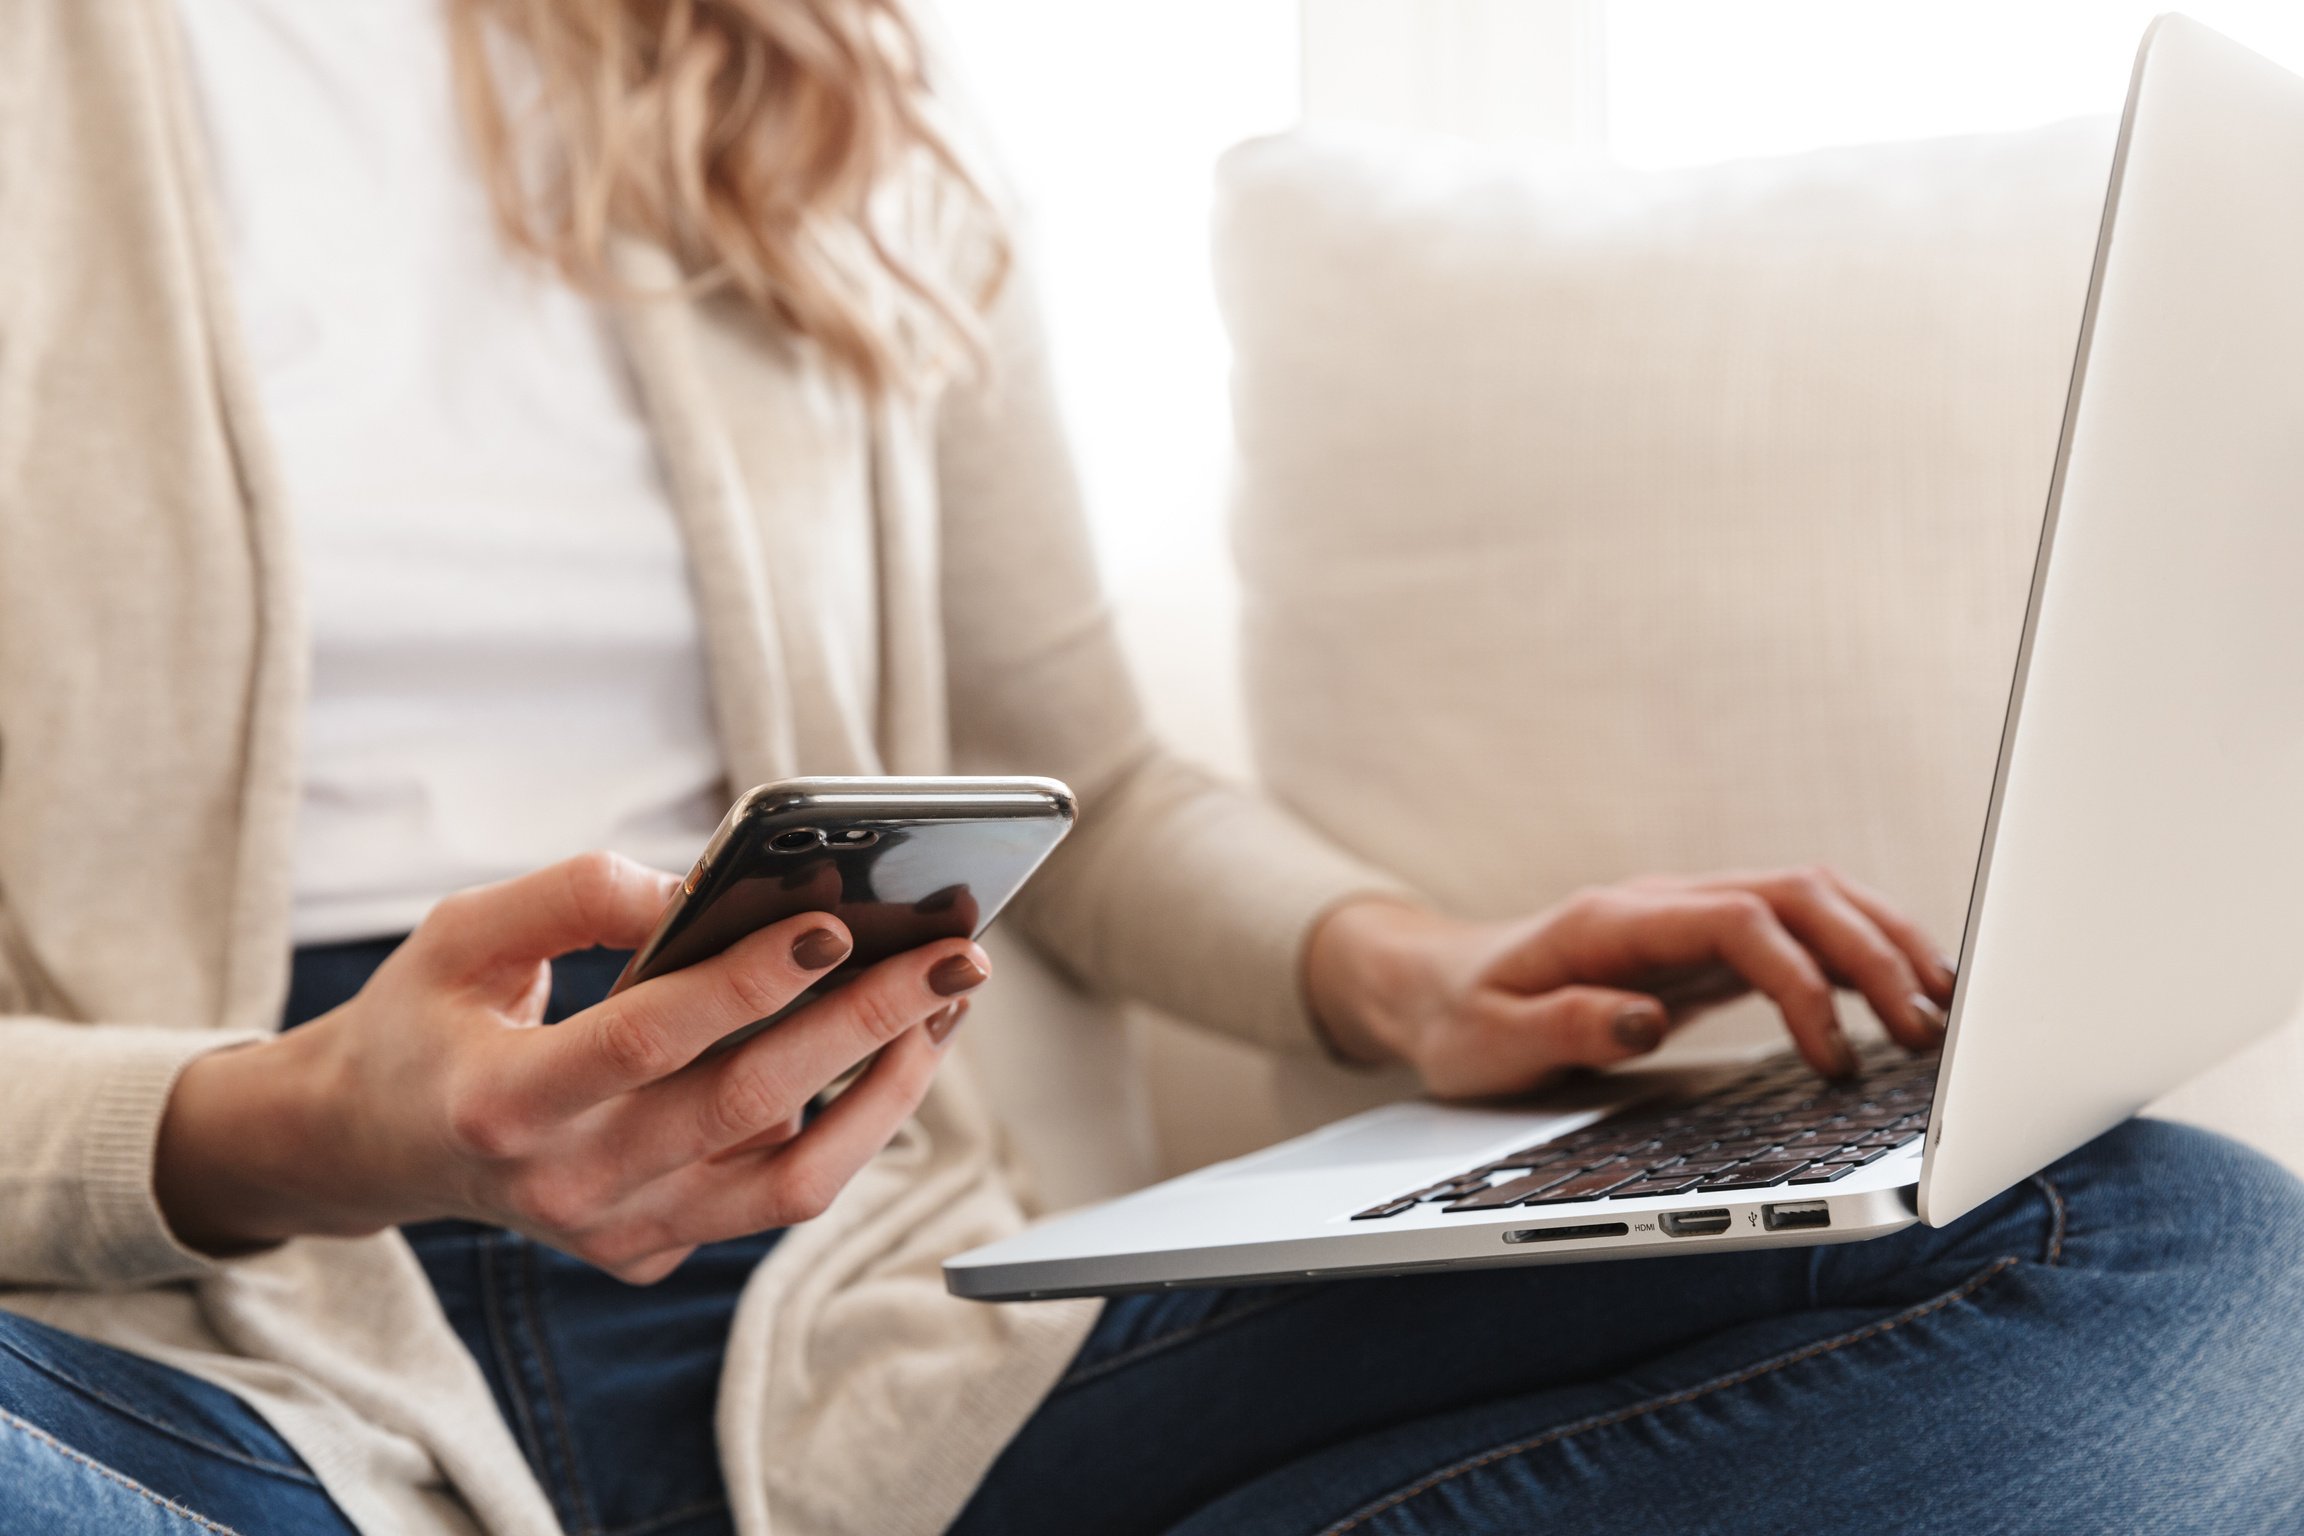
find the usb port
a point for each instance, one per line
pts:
(1793, 1215)
(1695, 1223)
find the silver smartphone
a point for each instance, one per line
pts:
(902, 862)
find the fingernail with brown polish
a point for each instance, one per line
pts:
(1843, 1056)
(1931, 1016)
(954, 975)
(1639, 1028)
(819, 949)
(940, 1026)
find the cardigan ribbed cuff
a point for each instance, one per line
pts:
(77, 1149)
(1278, 1015)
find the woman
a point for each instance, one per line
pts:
(359, 573)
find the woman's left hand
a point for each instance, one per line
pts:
(1482, 1009)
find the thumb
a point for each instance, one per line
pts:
(594, 898)
(1594, 1026)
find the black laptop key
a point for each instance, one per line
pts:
(1620, 1167)
(1754, 1175)
(1661, 1184)
(1511, 1191)
(1388, 1208)
(1586, 1186)
(1821, 1173)
(1527, 1159)
(1706, 1166)
(1598, 1152)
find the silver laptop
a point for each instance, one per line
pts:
(2138, 908)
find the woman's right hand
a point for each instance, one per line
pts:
(438, 1091)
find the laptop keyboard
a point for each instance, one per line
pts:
(1778, 1124)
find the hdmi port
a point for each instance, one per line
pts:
(1695, 1223)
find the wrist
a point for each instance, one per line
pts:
(1372, 974)
(249, 1150)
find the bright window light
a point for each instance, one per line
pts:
(1691, 81)
(1110, 119)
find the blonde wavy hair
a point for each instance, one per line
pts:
(787, 150)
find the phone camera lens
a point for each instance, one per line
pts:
(796, 840)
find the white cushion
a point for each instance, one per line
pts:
(1594, 522)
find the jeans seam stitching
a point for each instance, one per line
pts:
(1175, 1337)
(1703, 1389)
(2058, 1222)
(113, 1475)
(555, 1401)
(153, 1421)
(500, 1336)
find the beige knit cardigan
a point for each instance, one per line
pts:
(152, 672)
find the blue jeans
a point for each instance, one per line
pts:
(2116, 1346)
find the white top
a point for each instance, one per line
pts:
(506, 662)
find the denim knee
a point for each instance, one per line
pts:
(2226, 1205)
(2206, 1233)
